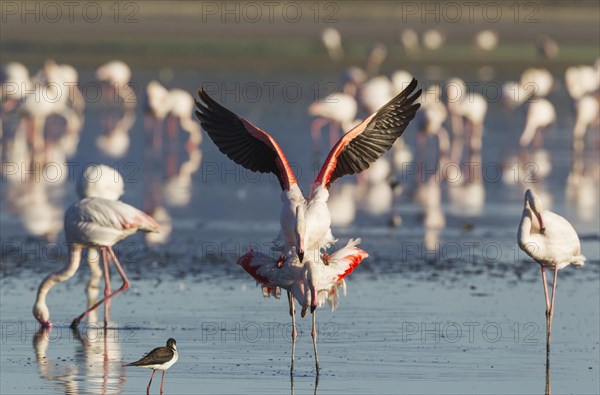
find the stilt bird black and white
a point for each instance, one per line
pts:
(161, 358)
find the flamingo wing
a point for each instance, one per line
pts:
(265, 271)
(93, 217)
(367, 142)
(242, 142)
(344, 261)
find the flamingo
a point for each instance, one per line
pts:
(465, 106)
(486, 40)
(311, 283)
(410, 41)
(305, 224)
(547, 47)
(117, 75)
(332, 39)
(105, 182)
(552, 242)
(375, 58)
(433, 39)
(588, 108)
(176, 103)
(97, 223)
(581, 80)
(337, 109)
(540, 115)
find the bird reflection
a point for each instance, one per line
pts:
(548, 389)
(316, 391)
(97, 361)
(169, 182)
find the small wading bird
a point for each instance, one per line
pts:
(551, 241)
(311, 283)
(96, 223)
(305, 223)
(161, 358)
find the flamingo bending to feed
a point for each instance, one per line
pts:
(305, 224)
(311, 283)
(97, 223)
(105, 182)
(551, 241)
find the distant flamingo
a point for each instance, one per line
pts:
(332, 39)
(117, 75)
(540, 115)
(588, 108)
(94, 222)
(337, 109)
(465, 106)
(552, 242)
(311, 283)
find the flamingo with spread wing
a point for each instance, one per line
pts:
(305, 223)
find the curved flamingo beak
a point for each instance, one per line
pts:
(301, 255)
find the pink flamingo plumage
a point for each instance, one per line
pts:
(311, 283)
(98, 223)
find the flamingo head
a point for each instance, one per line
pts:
(310, 279)
(534, 203)
(300, 231)
(42, 314)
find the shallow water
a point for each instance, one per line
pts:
(467, 317)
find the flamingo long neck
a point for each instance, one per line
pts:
(62, 275)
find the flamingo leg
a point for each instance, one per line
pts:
(162, 382)
(547, 309)
(107, 288)
(126, 283)
(92, 289)
(294, 332)
(313, 333)
(150, 383)
(107, 293)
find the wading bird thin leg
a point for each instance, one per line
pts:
(314, 337)
(547, 309)
(150, 383)
(294, 332)
(162, 382)
(107, 288)
(107, 293)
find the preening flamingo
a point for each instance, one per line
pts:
(311, 283)
(552, 242)
(305, 224)
(98, 223)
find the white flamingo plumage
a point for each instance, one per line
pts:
(97, 223)
(311, 283)
(552, 242)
